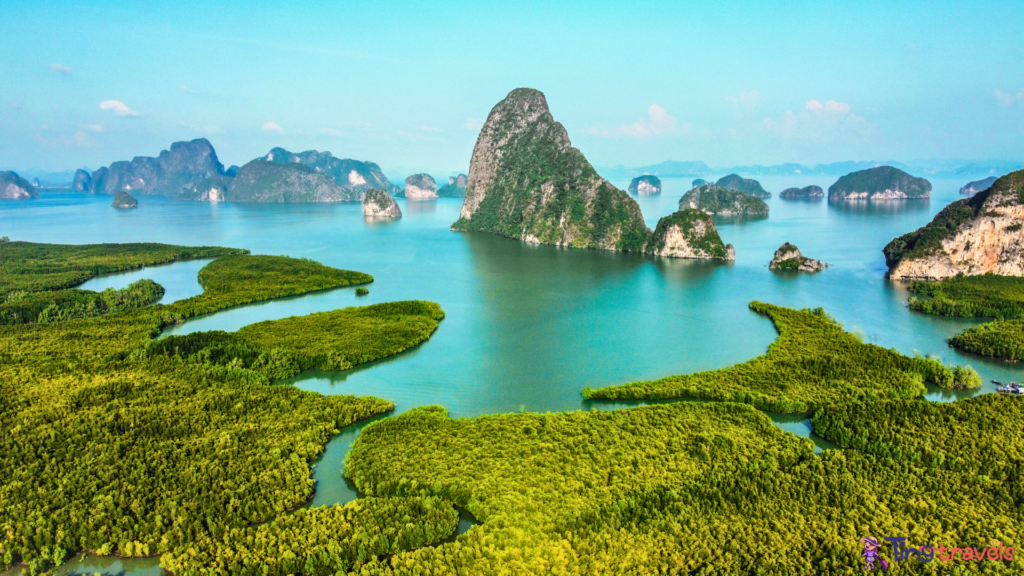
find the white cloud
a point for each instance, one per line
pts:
(831, 107)
(658, 121)
(60, 68)
(820, 122)
(272, 126)
(1007, 99)
(331, 132)
(188, 90)
(474, 124)
(746, 100)
(117, 107)
(427, 128)
(92, 127)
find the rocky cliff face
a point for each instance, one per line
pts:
(788, 257)
(380, 204)
(748, 185)
(879, 183)
(82, 181)
(977, 186)
(124, 200)
(261, 181)
(719, 201)
(353, 175)
(212, 189)
(645, 185)
(420, 187)
(805, 192)
(164, 175)
(14, 187)
(526, 181)
(984, 233)
(456, 187)
(689, 233)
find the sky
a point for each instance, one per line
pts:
(408, 84)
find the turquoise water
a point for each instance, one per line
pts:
(528, 327)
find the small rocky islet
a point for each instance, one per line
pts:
(124, 200)
(789, 257)
(800, 193)
(646, 185)
(747, 185)
(720, 201)
(879, 183)
(420, 187)
(378, 203)
(977, 186)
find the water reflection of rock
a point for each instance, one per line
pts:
(420, 207)
(879, 207)
(739, 219)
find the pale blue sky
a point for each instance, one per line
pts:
(406, 84)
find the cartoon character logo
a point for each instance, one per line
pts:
(871, 556)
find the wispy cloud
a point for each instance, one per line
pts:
(188, 90)
(828, 121)
(16, 105)
(271, 126)
(1006, 99)
(427, 128)
(474, 124)
(658, 121)
(746, 101)
(331, 132)
(92, 127)
(60, 68)
(117, 107)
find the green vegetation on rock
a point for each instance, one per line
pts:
(325, 540)
(60, 305)
(124, 200)
(814, 362)
(689, 233)
(880, 182)
(113, 450)
(720, 201)
(927, 240)
(748, 185)
(541, 189)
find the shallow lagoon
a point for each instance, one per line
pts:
(528, 327)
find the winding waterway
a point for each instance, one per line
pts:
(528, 327)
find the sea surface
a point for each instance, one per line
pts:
(528, 327)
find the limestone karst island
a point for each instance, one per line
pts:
(381, 289)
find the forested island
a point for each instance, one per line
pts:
(645, 185)
(720, 201)
(879, 183)
(747, 185)
(805, 192)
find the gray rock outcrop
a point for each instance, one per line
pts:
(645, 185)
(14, 187)
(380, 204)
(788, 257)
(124, 200)
(420, 187)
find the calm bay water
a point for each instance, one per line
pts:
(528, 327)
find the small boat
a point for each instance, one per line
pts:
(1009, 388)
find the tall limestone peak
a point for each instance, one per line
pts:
(14, 187)
(163, 175)
(526, 181)
(976, 235)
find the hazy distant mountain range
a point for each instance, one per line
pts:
(693, 169)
